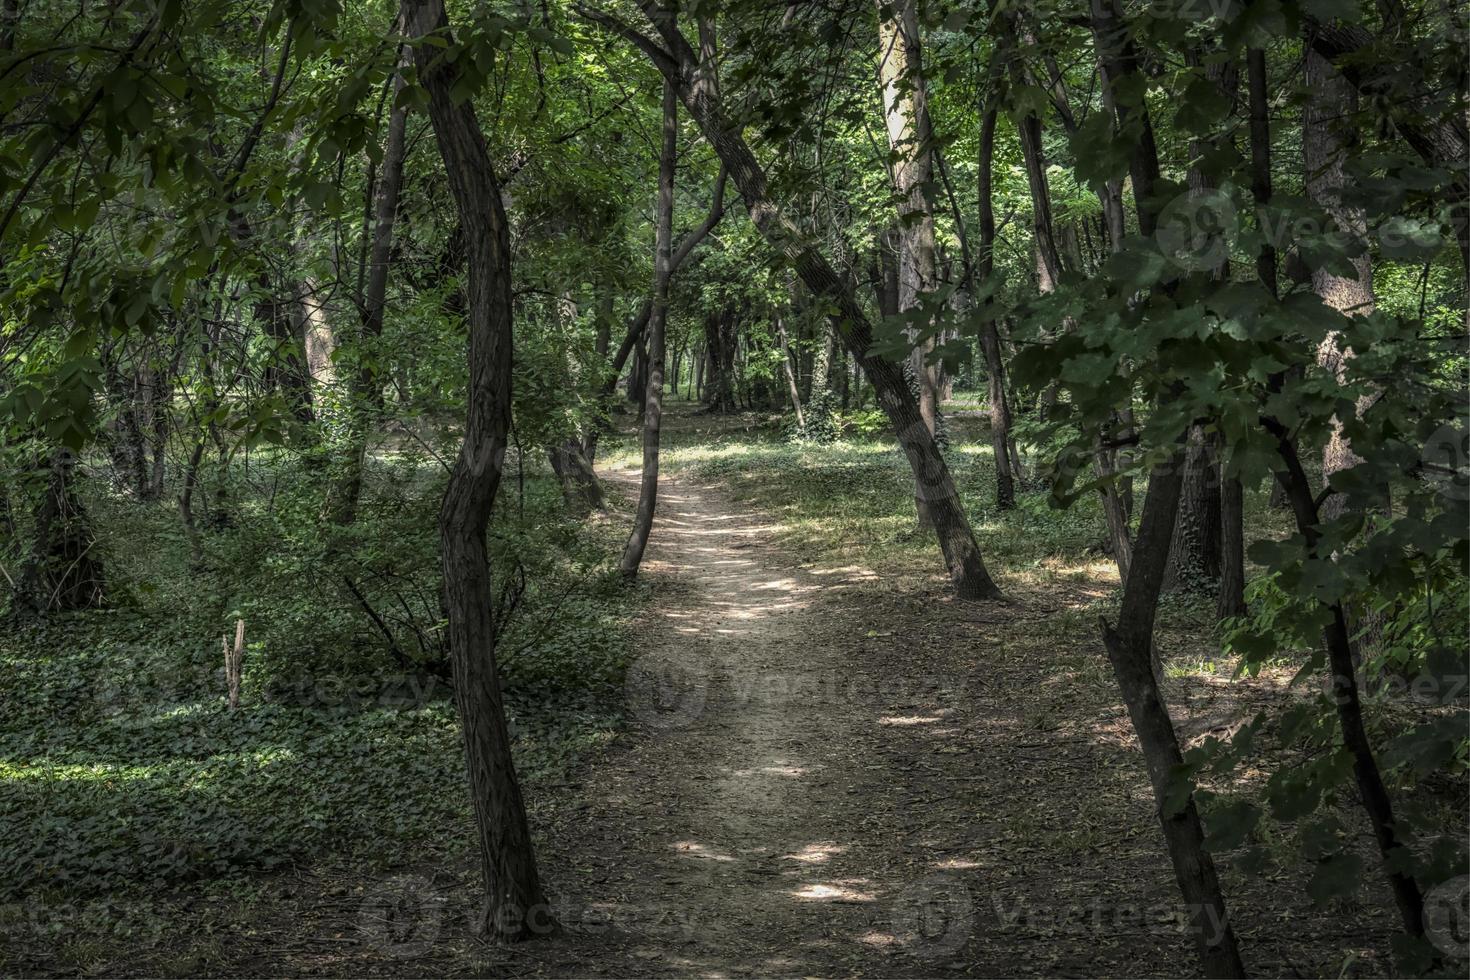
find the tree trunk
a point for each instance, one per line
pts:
(513, 894)
(1345, 695)
(186, 504)
(934, 485)
(1130, 650)
(1327, 139)
(580, 488)
(1130, 645)
(63, 572)
(1260, 129)
(1049, 270)
(1000, 409)
(791, 387)
(1194, 547)
(318, 341)
(1231, 601)
(662, 270)
(1440, 138)
(367, 393)
(285, 372)
(125, 442)
(911, 144)
(844, 377)
(719, 384)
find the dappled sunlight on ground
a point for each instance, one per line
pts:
(836, 891)
(815, 853)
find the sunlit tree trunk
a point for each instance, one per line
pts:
(911, 143)
(1327, 137)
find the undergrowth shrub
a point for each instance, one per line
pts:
(123, 765)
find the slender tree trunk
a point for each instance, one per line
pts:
(1049, 269)
(1232, 496)
(1130, 645)
(513, 894)
(1231, 601)
(1260, 130)
(844, 377)
(1000, 409)
(1130, 649)
(124, 441)
(367, 393)
(186, 504)
(791, 386)
(662, 271)
(1345, 695)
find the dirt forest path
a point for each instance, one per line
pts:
(830, 775)
(756, 824)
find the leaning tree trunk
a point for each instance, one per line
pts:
(1397, 862)
(1130, 650)
(657, 322)
(934, 485)
(1130, 644)
(507, 859)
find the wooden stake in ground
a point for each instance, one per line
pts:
(234, 662)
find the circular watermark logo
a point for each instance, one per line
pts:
(1447, 917)
(402, 917)
(934, 916)
(1446, 461)
(1195, 229)
(663, 694)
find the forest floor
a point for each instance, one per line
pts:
(834, 775)
(830, 770)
